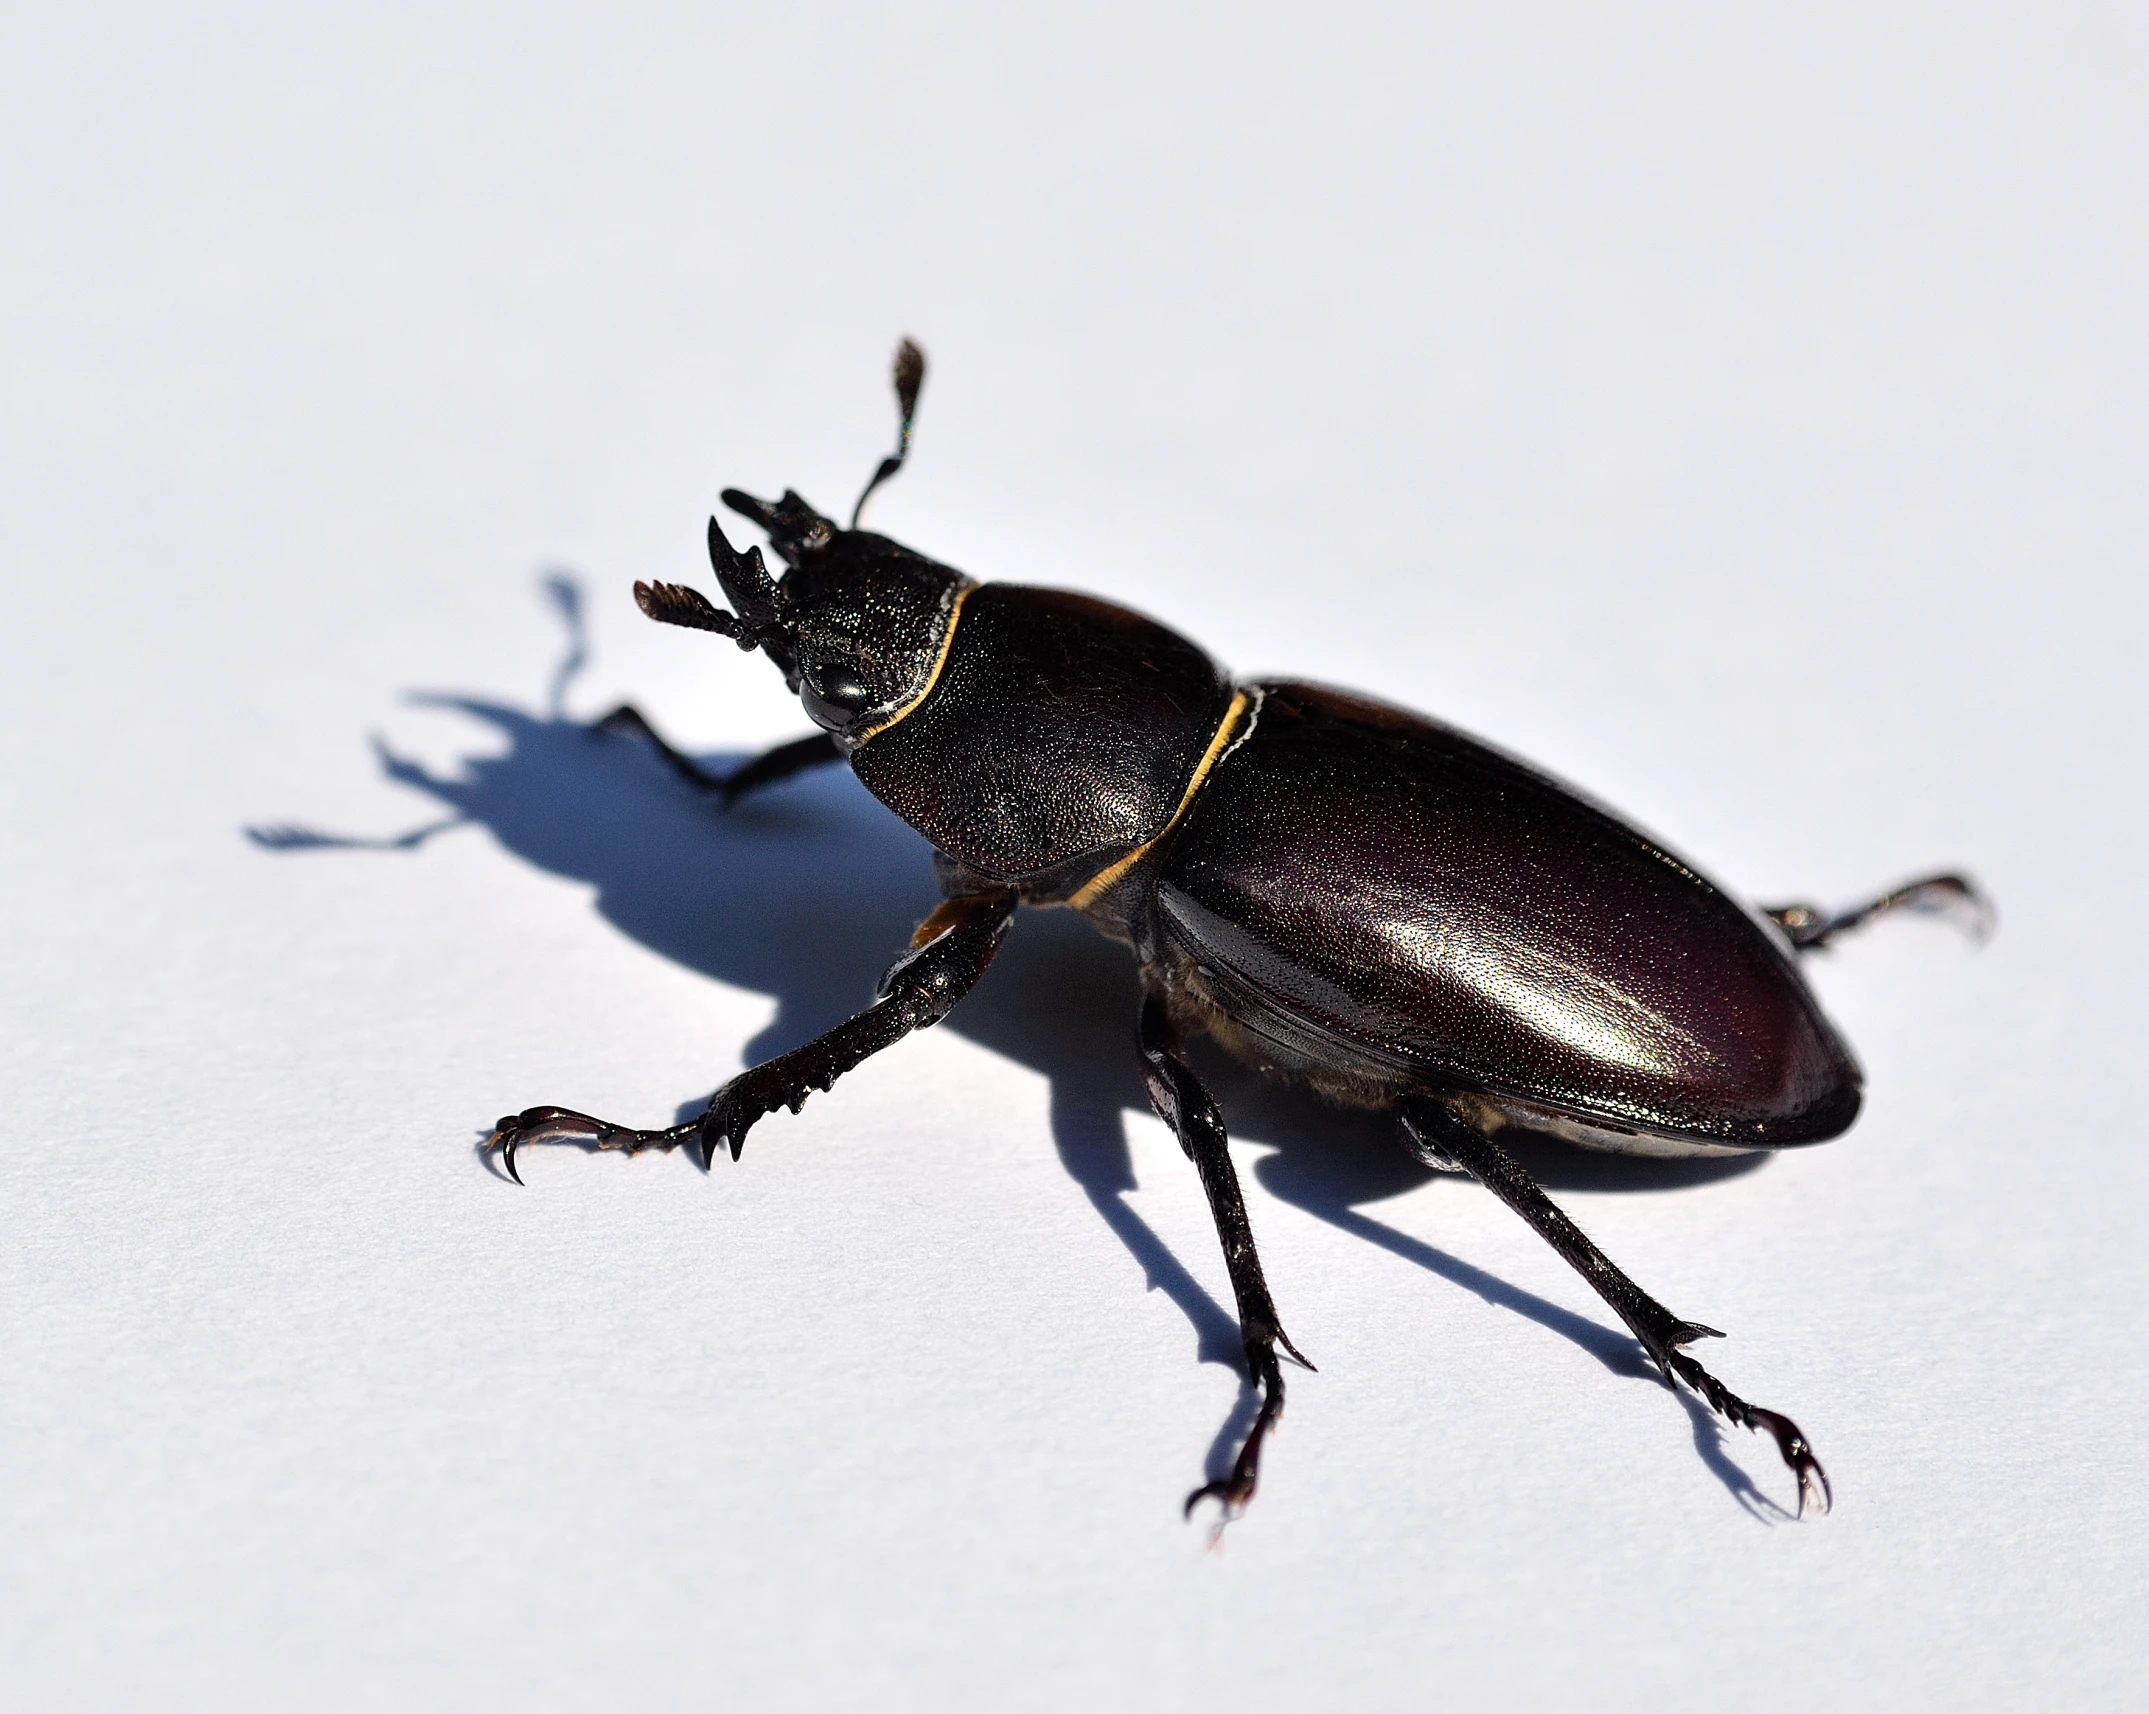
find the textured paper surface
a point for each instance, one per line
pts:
(1743, 419)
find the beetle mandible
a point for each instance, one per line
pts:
(1336, 890)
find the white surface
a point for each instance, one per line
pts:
(1743, 418)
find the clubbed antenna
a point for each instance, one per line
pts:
(759, 622)
(676, 604)
(909, 377)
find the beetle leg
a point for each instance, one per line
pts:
(1956, 896)
(763, 770)
(949, 952)
(1442, 1136)
(565, 1125)
(1183, 1104)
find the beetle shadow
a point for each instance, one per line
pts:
(807, 890)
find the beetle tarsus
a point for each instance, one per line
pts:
(1814, 1493)
(1233, 1493)
(1182, 1103)
(517, 1131)
(1955, 897)
(1430, 1126)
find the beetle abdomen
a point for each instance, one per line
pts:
(1060, 733)
(1356, 877)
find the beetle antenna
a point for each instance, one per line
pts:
(676, 604)
(909, 377)
(759, 621)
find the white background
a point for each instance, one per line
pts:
(1742, 415)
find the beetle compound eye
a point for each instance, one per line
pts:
(834, 695)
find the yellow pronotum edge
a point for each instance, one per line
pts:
(947, 642)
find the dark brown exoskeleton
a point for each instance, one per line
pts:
(1336, 890)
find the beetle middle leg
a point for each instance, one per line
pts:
(1444, 1138)
(763, 770)
(948, 953)
(1956, 896)
(1183, 1104)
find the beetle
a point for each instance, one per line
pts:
(1336, 890)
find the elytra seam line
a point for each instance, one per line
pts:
(1226, 730)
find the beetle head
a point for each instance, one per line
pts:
(857, 621)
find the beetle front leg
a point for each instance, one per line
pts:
(564, 1125)
(1443, 1138)
(1183, 1104)
(949, 952)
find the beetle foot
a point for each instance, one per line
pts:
(1814, 1493)
(1231, 1496)
(564, 1125)
(1956, 898)
(1234, 1492)
(1813, 1490)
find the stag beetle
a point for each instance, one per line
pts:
(1335, 889)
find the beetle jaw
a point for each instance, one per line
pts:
(795, 530)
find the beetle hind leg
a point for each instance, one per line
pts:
(1183, 1104)
(1814, 1494)
(1441, 1136)
(1953, 896)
